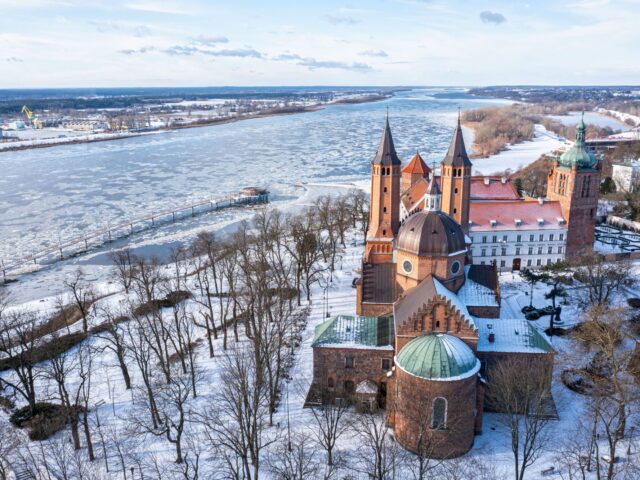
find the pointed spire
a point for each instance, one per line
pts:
(581, 129)
(457, 154)
(432, 196)
(386, 154)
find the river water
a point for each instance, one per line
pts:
(50, 195)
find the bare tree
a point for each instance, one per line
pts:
(85, 368)
(379, 456)
(172, 413)
(602, 279)
(235, 424)
(125, 263)
(19, 343)
(294, 461)
(114, 338)
(60, 369)
(522, 400)
(9, 444)
(615, 399)
(83, 296)
(303, 242)
(330, 424)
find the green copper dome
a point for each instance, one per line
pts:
(438, 357)
(578, 154)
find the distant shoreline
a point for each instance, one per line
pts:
(202, 123)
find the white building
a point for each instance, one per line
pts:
(626, 175)
(517, 234)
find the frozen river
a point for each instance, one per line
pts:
(52, 194)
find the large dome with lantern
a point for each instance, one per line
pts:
(430, 233)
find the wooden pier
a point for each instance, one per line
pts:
(99, 238)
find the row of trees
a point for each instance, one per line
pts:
(245, 296)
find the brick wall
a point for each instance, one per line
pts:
(331, 363)
(536, 364)
(484, 311)
(412, 414)
(437, 315)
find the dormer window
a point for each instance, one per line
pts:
(493, 223)
(561, 221)
(518, 222)
(541, 221)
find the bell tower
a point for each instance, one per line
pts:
(455, 178)
(574, 181)
(384, 211)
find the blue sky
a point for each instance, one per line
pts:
(69, 43)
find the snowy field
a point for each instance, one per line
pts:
(520, 155)
(491, 449)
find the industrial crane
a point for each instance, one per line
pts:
(33, 121)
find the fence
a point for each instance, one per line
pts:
(125, 229)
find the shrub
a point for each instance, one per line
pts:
(47, 351)
(534, 315)
(46, 420)
(172, 299)
(634, 302)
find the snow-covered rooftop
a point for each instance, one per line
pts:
(512, 335)
(474, 294)
(346, 331)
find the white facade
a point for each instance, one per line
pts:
(518, 249)
(626, 176)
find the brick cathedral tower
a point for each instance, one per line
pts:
(455, 179)
(574, 181)
(384, 212)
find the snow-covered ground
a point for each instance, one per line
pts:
(68, 136)
(620, 115)
(520, 155)
(492, 447)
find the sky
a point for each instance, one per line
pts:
(95, 43)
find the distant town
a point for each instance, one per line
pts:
(54, 117)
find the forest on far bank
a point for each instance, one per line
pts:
(496, 127)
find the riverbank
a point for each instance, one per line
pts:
(102, 137)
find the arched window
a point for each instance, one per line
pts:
(439, 414)
(330, 383)
(349, 387)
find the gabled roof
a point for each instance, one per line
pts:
(413, 299)
(417, 165)
(505, 214)
(513, 335)
(386, 153)
(492, 188)
(355, 332)
(457, 153)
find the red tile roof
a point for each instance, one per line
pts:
(505, 214)
(494, 190)
(417, 165)
(414, 194)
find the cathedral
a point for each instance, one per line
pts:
(429, 326)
